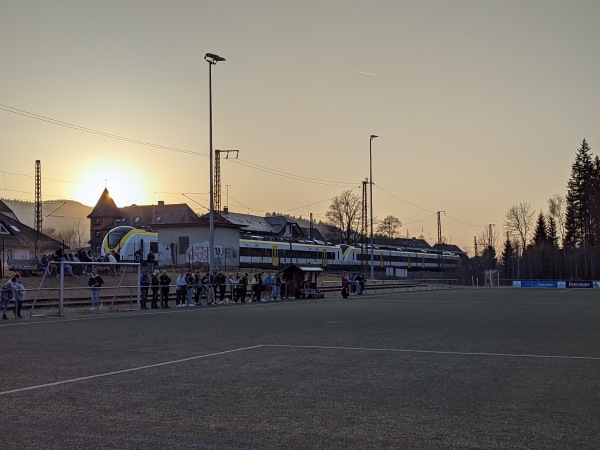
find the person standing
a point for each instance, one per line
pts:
(233, 285)
(243, 287)
(155, 286)
(95, 282)
(180, 290)
(19, 295)
(144, 287)
(277, 287)
(165, 282)
(221, 281)
(150, 261)
(189, 281)
(197, 287)
(5, 296)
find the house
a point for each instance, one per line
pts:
(18, 242)
(188, 243)
(106, 215)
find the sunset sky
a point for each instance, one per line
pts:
(479, 105)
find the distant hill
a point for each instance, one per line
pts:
(58, 215)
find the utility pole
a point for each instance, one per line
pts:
(475, 245)
(217, 181)
(363, 226)
(227, 186)
(440, 253)
(490, 242)
(37, 219)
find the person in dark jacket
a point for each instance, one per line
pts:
(155, 286)
(144, 287)
(165, 282)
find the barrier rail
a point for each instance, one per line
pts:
(50, 297)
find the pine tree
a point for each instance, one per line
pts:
(540, 235)
(579, 199)
(508, 257)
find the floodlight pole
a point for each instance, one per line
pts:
(212, 59)
(373, 136)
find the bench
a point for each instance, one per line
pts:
(24, 266)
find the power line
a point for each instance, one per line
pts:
(31, 115)
(248, 164)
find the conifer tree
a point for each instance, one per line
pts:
(579, 199)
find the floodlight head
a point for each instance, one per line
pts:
(373, 136)
(213, 59)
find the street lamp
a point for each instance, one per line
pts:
(373, 136)
(212, 59)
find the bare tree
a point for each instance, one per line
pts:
(557, 207)
(519, 220)
(344, 215)
(389, 226)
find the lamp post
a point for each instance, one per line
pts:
(212, 59)
(373, 136)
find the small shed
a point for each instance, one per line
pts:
(302, 280)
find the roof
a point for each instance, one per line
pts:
(312, 269)
(105, 207)
(250, 223)
(4, 209)
(17, 234)
(150, 215)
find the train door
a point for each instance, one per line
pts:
(275, 256)
(324, 257)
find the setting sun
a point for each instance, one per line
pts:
(125, 186)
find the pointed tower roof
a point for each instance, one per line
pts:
(105, 207)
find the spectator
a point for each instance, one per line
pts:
(269, 283)
(154, 282)
(243, 288)
(180, 290)
(112, 260)
(150, 261)
(6, 294)
(277, 287)
(189, 284)
(233, 286)
(95, 282)
(165, 283)
(144, 287)
(221, 282)
(197, 287)
(207, 291)
(19, 295)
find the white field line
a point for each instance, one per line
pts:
(436, 352)
(133, 369)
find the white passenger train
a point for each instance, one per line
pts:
(258, 252)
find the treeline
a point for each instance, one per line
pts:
(562, 243)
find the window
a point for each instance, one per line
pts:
(3, 229)
(184, 243)
(97, 234)
(97, 222)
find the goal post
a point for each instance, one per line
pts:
(492, 278)
(65, 285)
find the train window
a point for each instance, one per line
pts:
(184, 243)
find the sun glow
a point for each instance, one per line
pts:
(124, 185)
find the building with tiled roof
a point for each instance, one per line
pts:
(18, 241)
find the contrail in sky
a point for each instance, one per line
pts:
(369, 73)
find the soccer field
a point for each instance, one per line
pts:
(461, 368)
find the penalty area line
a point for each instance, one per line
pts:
(133, 369)
(436, 352)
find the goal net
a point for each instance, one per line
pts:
(65, 286)
(492, 278)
